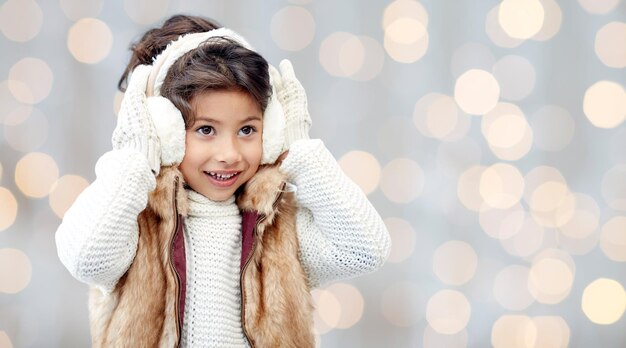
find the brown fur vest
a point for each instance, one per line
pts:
(147, 305)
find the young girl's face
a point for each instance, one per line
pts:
(224, 145)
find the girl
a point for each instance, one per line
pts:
(214, 215)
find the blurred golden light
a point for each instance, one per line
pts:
(613, 239)
(553, 128)
(455, 262)
(510, 290)
(363, 168)
(521, 19)
(550, 280)
(15, 271)
(400, 9)
(351, 56)
(399, 304)
(468, 188)
(599, 6)
(77, 9)
(476, 92)
(551, 22)
(28, 135)
(146, 11)
(515, 76)
(5, 341)
(373, 59)
(405, 30)
(502, 223)
(604, 104)
(578, 246)
(292, 28)
(614, 187)
(604, 301)
(437, 116)
(552, 331)
(526, 241)
(402, 180)
(403, 239)
(552, 204)
(9, 106)
(327, 311)
(351, 302)
(585, 219)
(514, 331)
(448, 312)
(471, 55)
(420, 112)
(501, 186)
(20, 20)
(538, 176)
(19, 114)
(433, 339)
(346, 55)
(406, 52)
(90, 40)
(548, 196)
(31, 74)
(64, 192)
(454, 157)
(8, 213)
(507, 132)
(442, 117)
(495, 32)
(610, 46)
(35, 173)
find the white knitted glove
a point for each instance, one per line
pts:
(292, 97)
(135, 129)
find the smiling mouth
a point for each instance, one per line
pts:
(222, 177)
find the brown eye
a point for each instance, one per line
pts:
(246, 131)
(205, 130)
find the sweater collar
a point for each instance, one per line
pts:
(200, 205)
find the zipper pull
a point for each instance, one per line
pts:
(289, 187)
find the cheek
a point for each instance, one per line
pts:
(191, 153)
(254, 153)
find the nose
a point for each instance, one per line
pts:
(228, 150)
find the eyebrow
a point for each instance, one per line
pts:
(212, 120)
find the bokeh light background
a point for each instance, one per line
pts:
(490, 136)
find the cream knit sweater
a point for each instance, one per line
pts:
(339, 231)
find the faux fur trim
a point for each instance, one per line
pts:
(141, 310)
(262, 190)
(277, 304)
(170, 129)
(162, 198)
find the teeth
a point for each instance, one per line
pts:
(221, 176)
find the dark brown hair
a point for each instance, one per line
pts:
(217, 64)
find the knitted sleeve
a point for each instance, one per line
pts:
(97, 239)
(340, 233)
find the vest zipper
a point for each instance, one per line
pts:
(245, 266)
(242, 288)
(171, 264)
